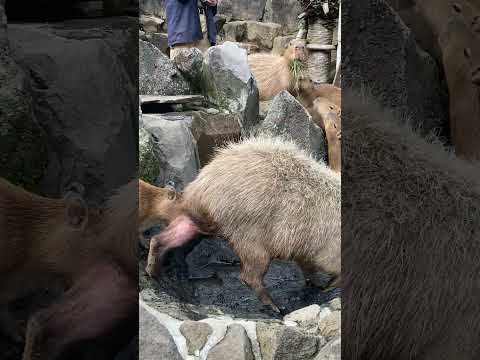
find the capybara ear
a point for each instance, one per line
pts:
(171, 192)
(76, 211)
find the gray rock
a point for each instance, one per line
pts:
(335, 304)
(229, 83)
(190, 63)
(235, 31)
(23, 143)
(155, 342)
(331, 351)
(262, 33)
(234, 346)
(160, 40)
(148, 156)
(306, 317)
(151, 24)
(158, 74)
(283, 12)
(153, 7)
(86, 145)
(213, 130)
(410, 84)
(329, 322)
(175, 145)
(196, 333)
(288, 118)
(242, 9)
(286, 343)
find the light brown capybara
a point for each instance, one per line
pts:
(308, 91)
(273, 73)
(270, 200)
(331, 121)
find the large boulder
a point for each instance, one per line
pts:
(229, 83)
(242, 9)
(288, 118)
(148, 156)
(23, 144)
(410, 83)
(90, 136)
(175, 146)
(158, 74)
(283, 12)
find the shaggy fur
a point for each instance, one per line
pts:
(272, 72)
(410, 247)
(270, 200)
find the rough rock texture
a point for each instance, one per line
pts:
(213, 130)
(155, 342)
(385, 44)
(159, 40)
(148, 156)
(23, 148)
(283, 12)
(259, 33)
(242, 10)
(158, 74)
(153, 7)
(331, 351)
(288, 118)
(175, 146)
(196, 334)
(151, 24)
(278, 342)
(190, 64)
(85, 145)
(234, 346)
(229, 84)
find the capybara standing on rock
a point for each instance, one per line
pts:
(273, 73)
(270, 200)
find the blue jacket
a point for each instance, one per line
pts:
(183, 22)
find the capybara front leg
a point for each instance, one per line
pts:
(97, 302)
(254, 266)
(180, 231)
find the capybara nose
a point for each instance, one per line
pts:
(476, 76)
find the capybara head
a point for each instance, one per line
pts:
(329, 113)
(296, 50)
(157, 205)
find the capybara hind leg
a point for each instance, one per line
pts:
(254, 266)
(97, 302)
(180, 231)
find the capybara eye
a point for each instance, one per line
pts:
(457, 7)
(467, 53)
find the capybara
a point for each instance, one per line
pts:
(44, 239)
(273, 73)
(308, 91)
(30, 228)
(410, 242)
(331, 120)
(270, 200)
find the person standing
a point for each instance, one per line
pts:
(183, 23)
